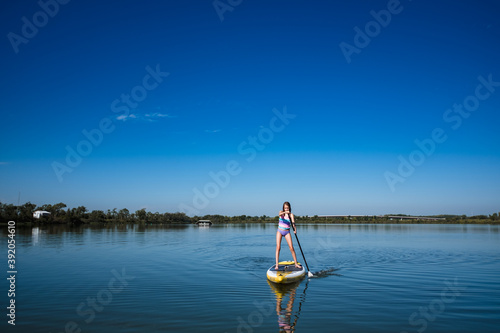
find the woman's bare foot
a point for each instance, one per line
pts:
(277, 267)
(298, 266)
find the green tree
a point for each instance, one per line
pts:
(180, 218)
(11, 212)
(141, 214)
(55, 210)
(111, 214)
(76, 215)
(97, 216)
(81, 212)
(124, 215)
(8, 213)
(25, 212)
(153, 217)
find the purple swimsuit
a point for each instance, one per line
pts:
(284, 225)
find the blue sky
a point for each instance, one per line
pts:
(236, 109)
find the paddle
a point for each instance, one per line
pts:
(309, 274)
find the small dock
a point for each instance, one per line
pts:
(204, 223)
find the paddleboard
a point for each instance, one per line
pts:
(286, 272)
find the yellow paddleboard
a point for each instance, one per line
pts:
(286, 272)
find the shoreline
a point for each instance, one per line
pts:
(299, 222)
(59, 213)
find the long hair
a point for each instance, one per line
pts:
(287, 203)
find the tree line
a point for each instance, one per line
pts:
(60, 213)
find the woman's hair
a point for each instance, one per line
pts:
(287, 203)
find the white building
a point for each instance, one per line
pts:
(40, 213)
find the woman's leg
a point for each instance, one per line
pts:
(288, 238)
(278, 247)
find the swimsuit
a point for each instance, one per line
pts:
(284, 226)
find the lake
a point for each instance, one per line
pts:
(369, 278)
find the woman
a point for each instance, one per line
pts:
(286, 220)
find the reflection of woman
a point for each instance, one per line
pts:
(284, 307)
(285, 314)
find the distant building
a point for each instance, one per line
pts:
(390, 217)
(40, 213)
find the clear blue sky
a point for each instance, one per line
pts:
(282, 100)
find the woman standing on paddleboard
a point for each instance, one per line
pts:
(286, 221)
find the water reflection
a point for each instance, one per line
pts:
(285, 298)
(35, 232)
(403, 227)
(56, 235)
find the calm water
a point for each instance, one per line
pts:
(373, 278)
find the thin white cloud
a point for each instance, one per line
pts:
(157, 115)
(147, 117)
(213, 131)
(125, 117)
(4, 163)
